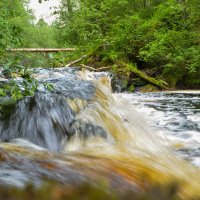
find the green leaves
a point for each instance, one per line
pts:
(2, 92)
(153, 34)
(48, 86)
(14, 88)
(161, 34)
(14, 19)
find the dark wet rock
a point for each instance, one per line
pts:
(43, 119)
(119, 84)
(72, 87)
(46, 119)
(86, 130)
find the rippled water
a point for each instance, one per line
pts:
(175, 115)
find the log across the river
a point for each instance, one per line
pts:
(42, 50)
(158, 83)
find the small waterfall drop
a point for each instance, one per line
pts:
(96, 133)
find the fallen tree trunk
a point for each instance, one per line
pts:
(158, 83)
(87, 67)
(45, 50)
(84, 66)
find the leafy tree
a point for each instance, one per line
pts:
(19, 30)
(153, 34)
(14, 20)
(41, 34)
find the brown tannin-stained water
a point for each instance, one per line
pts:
(82, 132)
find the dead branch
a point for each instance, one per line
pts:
(76, 61)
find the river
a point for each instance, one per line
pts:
(81, 132)
(175, 116)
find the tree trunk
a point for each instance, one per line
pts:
(45, 50)
(158, 83)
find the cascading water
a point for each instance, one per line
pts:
(174, 115)
(97, 134)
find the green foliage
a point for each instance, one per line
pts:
(162, 34)
(49, 86)
(153, 34)
(18, 29)
(36, 60)
(41, 35)
(14, 20)
(16, 89)
(131, 88)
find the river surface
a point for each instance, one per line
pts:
(175, 116)
(81, 132)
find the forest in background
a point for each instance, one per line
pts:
(159, 38)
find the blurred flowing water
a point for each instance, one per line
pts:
(80, 131)
(175, 116)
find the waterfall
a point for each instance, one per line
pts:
(86, 130)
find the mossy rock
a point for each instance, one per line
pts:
(131, 88)
(149, 88)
